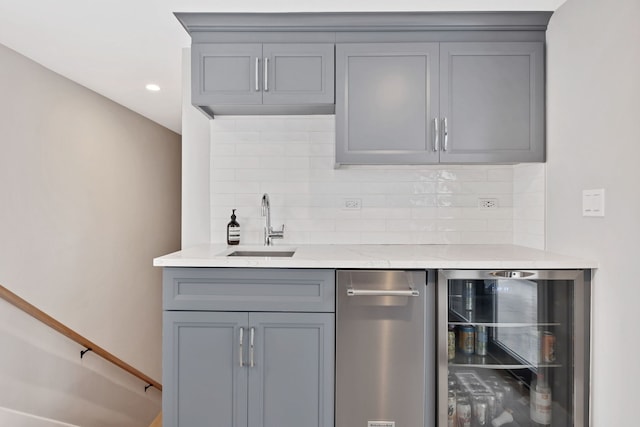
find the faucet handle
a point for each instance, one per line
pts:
(277, 234)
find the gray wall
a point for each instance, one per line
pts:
(90, 193)
(593, 87)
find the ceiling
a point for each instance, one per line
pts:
(116, 47)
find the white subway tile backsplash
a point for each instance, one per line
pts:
(223, 150)
(529, 205)
(230, 137)
(487, 237)
(387, 213)
(500, 225)
(354, 225)
(504, 174)
(259, 175)
(283, 136)
(461, 225)
(261, 149)
(292, 159)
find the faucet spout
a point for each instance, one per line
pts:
(266, 209)
(269, 232)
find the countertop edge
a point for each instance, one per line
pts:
(381, 257)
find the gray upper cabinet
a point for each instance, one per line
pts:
(410, 87)
(458, 102)
(386, 102)
(236, 78)
(492, 102)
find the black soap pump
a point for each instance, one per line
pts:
(233, 230)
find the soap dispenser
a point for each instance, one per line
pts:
(233, 230)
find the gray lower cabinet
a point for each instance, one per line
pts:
(450, 102)
(251, 368)
(251, 74)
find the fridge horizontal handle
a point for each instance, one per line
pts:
(382, 293)
(511, 274)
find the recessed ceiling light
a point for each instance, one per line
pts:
(152, 87)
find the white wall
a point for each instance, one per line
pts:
(196, 194)
(89, 195)
(593, 91)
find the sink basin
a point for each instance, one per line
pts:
(281, 254)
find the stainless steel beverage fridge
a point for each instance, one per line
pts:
(513, 348)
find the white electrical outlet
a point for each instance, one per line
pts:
(488, 203)
(352, 204)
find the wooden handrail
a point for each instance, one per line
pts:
(71, 334)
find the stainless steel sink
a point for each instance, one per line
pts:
(281, 254)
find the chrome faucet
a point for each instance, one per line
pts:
(269, 232)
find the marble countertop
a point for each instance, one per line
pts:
(377, 257)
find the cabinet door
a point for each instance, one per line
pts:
(492, 96)
(298, 73)
(226, 74)
(386, 103)
(204, 382)
(291, 383)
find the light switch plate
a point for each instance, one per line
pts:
(593, 202)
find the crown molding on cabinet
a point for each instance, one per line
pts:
(363, 21)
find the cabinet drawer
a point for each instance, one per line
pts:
(249, 289)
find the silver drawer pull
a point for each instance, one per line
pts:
(511, 274)
(251, 336)
(382, 293)
(241, 339)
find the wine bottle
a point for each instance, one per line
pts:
(540, 402)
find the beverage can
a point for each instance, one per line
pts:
(508, 392)
(468, 295)
(463, 410)
(451, 343)
(466, 339)
(480, 413)
(481, 340)
(491, 406)
(500, 398)
(452, 403)
(548, 347)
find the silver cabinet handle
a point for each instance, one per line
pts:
(266, 74)
(436, 139)
(257, 74)
(241, 339)
(251, 336)
(446, 134)
(382, 293)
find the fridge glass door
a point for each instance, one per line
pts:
(512, 352)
